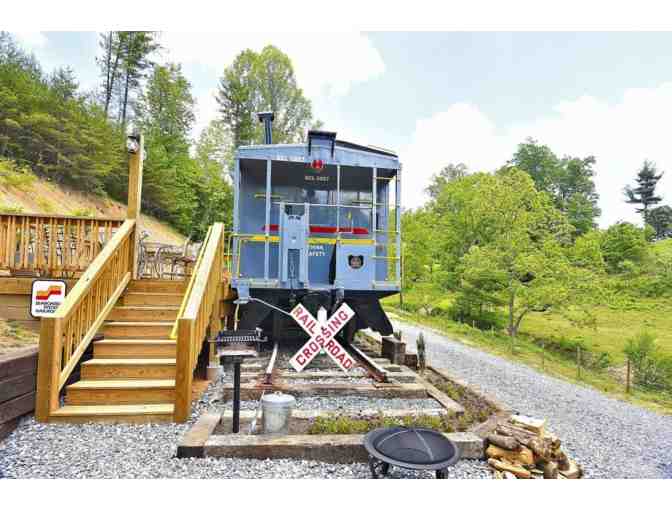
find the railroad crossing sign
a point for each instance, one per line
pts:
(322, 336)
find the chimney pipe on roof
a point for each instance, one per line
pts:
(267, 118)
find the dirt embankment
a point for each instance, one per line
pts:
(44, 197)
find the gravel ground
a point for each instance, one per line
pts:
(608, 437)
(35, 450)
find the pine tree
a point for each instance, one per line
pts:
(645, 191)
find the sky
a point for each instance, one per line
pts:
(452, 97)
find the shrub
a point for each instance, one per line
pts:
(651, 368)
(15, 175)
(624, 247)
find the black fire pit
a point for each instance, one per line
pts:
(410, 448)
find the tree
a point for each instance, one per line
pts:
(46, 124)
(418, 246)
(510, 243)
(165, 114)
(109, 64)
(644, 192)
(215, 192)
(137, 48)
(263, 81)
(660, 219)
(569, 180)
(125, 58)
(448, 173)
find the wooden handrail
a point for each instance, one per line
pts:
(202, 304)
(187, 294)
(66, 335)
(52, 245)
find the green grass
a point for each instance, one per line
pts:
(614, 327)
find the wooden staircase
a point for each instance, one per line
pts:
(131, 377)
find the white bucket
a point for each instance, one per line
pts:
(276, 412)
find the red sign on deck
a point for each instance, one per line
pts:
(322, 337)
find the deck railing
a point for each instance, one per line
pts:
(52, 245)
(200, 312)
(66, 335)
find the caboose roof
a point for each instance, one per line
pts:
(344, 153)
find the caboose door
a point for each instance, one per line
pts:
(294, 233)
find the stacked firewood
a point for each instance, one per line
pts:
(521, 448)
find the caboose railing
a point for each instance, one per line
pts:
(52, 245)
(65, 336)
(200, 312)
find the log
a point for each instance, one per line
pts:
(533, 424)
(523, 437)
(506, 442)
(524, 456)
(562, 460)
(541, 450)
(551, 471)
(520, 472)
(573, 472)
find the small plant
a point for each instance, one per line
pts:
(84, 213)
(45, 205)
(422, 360)
(8, 209)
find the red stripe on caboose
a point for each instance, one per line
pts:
(321, 229)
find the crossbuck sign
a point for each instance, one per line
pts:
(322, 337)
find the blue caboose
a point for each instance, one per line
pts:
(316, 223)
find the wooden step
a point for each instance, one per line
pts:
(151, 298)
(138, 368)
(152, 413)
(116, 329)
(144, 313)
(167, 286)
(135, 348)
(121, 391)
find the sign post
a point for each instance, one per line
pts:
(322, 337)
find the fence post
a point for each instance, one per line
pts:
(627, 379)
(578, 362)
(135, 196)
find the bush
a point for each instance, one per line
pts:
(481, 319)
(14, 175)
(624, 247)
(651, 368)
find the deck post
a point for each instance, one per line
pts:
(183, 370)
(135, 196)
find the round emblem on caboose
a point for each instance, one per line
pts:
(355, 261)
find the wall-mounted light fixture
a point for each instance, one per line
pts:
(133, 143)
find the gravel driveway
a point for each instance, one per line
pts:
(608, 437)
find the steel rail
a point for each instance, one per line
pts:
(373, 368)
